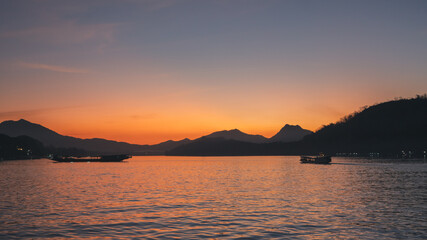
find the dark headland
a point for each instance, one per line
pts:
(391, 129)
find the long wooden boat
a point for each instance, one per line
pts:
(103, 158)
(321, 159)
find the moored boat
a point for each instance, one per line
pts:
(103, 158)
(321, 159)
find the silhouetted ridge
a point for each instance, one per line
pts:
(237, 135)
(404, 119)
(75, 145)
(169, 144)
(215, 146)
(391, 129)
(290, 133)
(98, 145)
(24, 147)
(23, 127)
(388, 128)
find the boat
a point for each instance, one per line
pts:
(102, 158)
(320, 159)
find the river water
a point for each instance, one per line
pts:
(214, 197)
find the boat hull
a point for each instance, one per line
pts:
(105, 158)
(316, 159)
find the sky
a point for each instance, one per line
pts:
(146, 71)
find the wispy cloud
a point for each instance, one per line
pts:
(68, 32)
(20, 114)
(31, 112)
(52, 68)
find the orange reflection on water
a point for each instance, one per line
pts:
(212, 197)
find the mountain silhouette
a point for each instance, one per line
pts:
(51, 138)
(160, 148)
(237, 135)
(399, 125)
(216, 146)
(389, 128)
(392, 129)
(93, 145)
(290, 133)
(23, 127)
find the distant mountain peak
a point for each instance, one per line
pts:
(292, 126)
(98, 145)
(24, 127)
(236, 134)
(23, 123)
(20, 121)
(230, 131)
(290, 133)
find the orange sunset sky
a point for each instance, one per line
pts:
(149, 71)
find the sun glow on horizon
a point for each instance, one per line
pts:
(148, 72)
(125, 125)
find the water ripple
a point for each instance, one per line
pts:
(214, 198)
